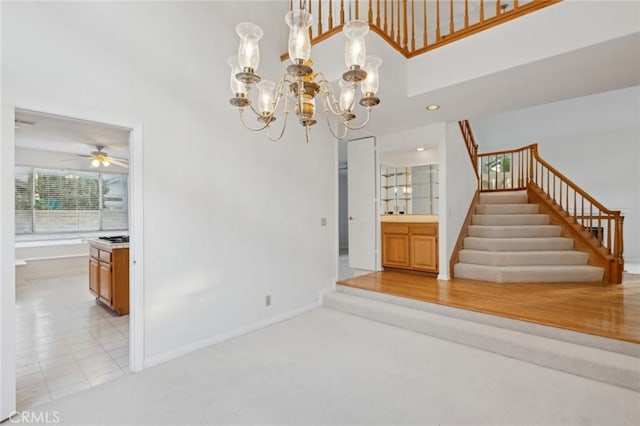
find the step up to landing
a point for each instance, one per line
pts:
(598, 358)
(529, 273)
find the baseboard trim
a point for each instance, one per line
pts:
(211, 341)
(326, 291)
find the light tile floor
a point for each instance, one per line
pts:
(66, 343)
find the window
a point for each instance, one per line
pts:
(56, 204)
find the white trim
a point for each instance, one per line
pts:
(324, 292)
(136, 258)
(7, 265)
(211, 341)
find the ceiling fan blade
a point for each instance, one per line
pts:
(78, 156)
(117, 162)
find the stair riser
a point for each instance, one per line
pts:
(514, 231)
(523, 258)
(465, 270)
(510, 219)
(516, 244)
(507, 209)
(503, 198)
(561, 356)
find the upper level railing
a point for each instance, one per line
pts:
(523, 167)
(470, 142)
(415, 26)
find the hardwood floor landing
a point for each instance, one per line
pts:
(610, 311)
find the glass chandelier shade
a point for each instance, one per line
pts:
(355, 50)
(299, 22)
(371, 84)
(347, 95)
(237, 87)
(249, 51)
(266, 96)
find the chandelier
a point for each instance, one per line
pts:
(300, 84)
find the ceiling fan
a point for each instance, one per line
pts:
(100, 157)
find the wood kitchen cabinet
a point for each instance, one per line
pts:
(109, 276)
(412, 246)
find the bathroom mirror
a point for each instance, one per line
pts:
(409, 190)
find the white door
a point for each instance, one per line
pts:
(362, 203)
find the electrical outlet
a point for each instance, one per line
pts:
(323, 221)
(267, 300)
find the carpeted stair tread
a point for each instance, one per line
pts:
(507, 208)
(510, 219)
(523, 258)
(495, 231)
(518, 244)
(527, 274)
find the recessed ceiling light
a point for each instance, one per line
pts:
(433, 107)
(420, 149)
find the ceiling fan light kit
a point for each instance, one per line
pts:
(300, 82)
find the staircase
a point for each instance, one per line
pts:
(509, 241)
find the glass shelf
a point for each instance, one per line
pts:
(409, 190)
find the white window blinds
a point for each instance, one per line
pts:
(62, 203)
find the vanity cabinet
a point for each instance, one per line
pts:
(109, 276)
(412, 246)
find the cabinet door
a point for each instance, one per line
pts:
(105, 283)
(94, 277)
(424, 253)
(395, 250)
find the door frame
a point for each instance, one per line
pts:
(377, 247)
(7, 241)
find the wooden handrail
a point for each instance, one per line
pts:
(469, 140)
(405, 20)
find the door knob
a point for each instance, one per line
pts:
(350, 217)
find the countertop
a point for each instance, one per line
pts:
(106, 245)
(414, 218)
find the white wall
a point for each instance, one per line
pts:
(552, 31)
(429, 136)
(458, 184)
(229, 216)
(593, 140)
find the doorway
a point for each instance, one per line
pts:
(46, 350)
(357, 208)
